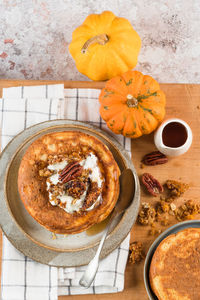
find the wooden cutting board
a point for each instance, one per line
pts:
(183, 101)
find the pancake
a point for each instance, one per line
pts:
(68, 181)
(175, 266)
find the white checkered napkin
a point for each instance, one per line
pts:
(21, 107)
(28, 279)
(109, 278)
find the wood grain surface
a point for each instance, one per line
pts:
(183, 101)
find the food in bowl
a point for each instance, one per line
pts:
(175, 266)
(68, 181)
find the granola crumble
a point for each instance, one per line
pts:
(147, 214)
(154, 230)
(136, 253)
(162, 207)
(175, 189)
(162, 211)
(76, 188)
(187, 211)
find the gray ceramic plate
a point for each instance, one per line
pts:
(26, 234)
(171, 230)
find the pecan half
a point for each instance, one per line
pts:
(70, 172)
(152, 185)
(154, 158)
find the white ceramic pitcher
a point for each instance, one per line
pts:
(166, 149)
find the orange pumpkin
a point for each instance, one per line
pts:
(132, 104)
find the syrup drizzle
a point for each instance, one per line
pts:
(97, 228)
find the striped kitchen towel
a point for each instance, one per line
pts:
(23, 278)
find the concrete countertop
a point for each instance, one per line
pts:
(34, 37)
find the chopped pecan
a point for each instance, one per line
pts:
(162, 207)
(53, 159)
(70, 172)
(165, 221)
(154, 231)
(154, 158)
(146, 214)
(187, 211)
(172, 206)
(152, 185)
(45, 172)
(62, 204)
(75, 188)
(136, 253)
(176, 189)
(93, 193)
(56, 190)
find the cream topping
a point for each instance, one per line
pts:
(58, 166)
(71, 205)
(91, 163)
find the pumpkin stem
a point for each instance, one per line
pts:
(131, 101)
(101, 39)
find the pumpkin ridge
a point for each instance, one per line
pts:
(81, 31)
(117, 92)
(129, 126)
(116, 117)
(142, 97)
(123, 61)
(133, 87)
(111, 91)
(151, 102)
(112, 112)
(145, 129)
(107, 93)
(124, 82)
(150, 111)
(92, 23)
(90, 69)
(137, 121)
(109, 100)
(147, 109)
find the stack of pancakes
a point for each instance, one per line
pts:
(33, 189)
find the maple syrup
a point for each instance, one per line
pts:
(97, 228)
(174, 135)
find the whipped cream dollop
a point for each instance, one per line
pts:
(67, 202)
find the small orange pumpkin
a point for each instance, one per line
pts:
(132, 104)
